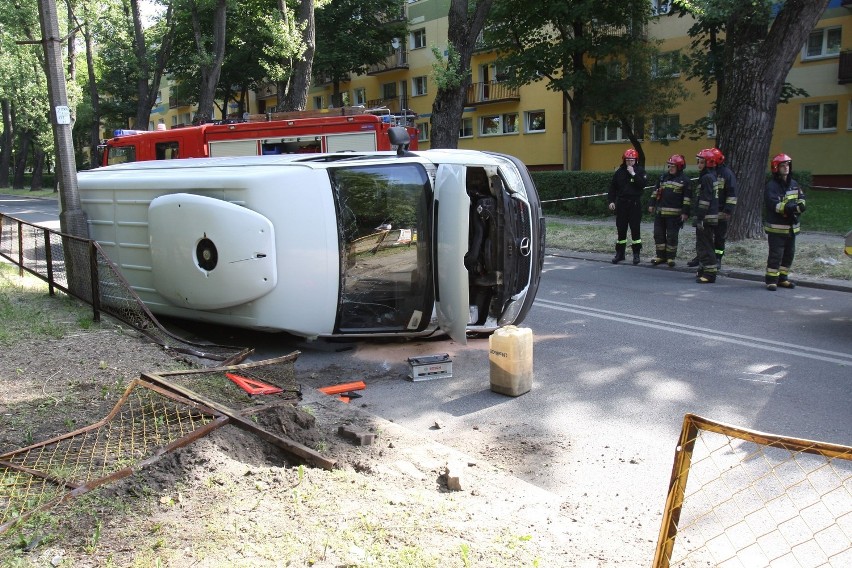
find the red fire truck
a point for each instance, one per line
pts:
(349, 128)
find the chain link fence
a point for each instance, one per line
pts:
(745, 499)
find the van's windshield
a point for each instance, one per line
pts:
(384, 226)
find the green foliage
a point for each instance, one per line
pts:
(448, 73)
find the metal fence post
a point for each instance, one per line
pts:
(93, 272)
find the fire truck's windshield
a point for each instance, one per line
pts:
(120, 154)
(384, 225)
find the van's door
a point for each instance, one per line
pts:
(452, 208)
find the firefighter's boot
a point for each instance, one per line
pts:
(619, 252)
(785, 282)
(636, 250)
(771, 279)
(660, 258)
(719, 255)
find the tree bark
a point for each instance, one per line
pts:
(210, 72)
(95, 127)
(143, 112)
(21, 159)
(300, 80)
(37, 183)
(447, 108)
(749, 99)
(5, 142)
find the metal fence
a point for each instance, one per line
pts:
(79, 268)
(745, 499)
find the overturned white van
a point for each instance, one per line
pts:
(349, 244)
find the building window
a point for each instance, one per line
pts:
(535, 121)
(418, 38)
(667, 127)
(466, 130)
(418, 86)
(819, 117)
(174, 120)
(361, 96)
(711, 125)
(606, 132)
(422, 131)
(822, 43)
(318, 103)
(660, 7)
(666, 65)
(498, 124)
(388, 90)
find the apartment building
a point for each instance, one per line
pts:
(528, 121)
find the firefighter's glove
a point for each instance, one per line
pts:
(790, 208)
(800, 206)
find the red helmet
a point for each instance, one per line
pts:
(720, 157)
(630, 153)
(780, 159)
(678, 161)
(708, 156)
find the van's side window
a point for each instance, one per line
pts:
(167, 150)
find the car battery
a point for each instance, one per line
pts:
(430, 367)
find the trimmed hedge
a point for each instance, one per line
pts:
(567, 193)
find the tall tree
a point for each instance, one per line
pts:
(762, 40)
(210, 52)
(465, 21)
(151, 49)
(296, 96)
(560, 42)
(374, 22)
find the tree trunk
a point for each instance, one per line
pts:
(747, 110)
(21, 159)
(37, 183)
(95, 127)
(143, 112)
(210, 72)
(5, 142)
(300, 80)
(447, 108)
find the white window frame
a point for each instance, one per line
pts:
(824, 49)
(665, 65)
(822, 117)
(507, 123)
(669, 118)
(528, 121)
(711, 125)
(419, 86)
(466, 128)
(360, 96)
(617, 139)
(422, 131)
(386, 86)
(418, 38)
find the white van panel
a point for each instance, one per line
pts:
(209, 254)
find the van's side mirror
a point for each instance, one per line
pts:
(399, 137)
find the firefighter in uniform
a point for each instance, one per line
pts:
(625, 196)
(670, 205)
(727, 204)
(706, 216)
(784, 202)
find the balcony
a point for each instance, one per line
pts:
(492, 92)
(844, 66)
(175, 102)
(398, 59)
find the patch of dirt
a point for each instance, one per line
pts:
(233, 499)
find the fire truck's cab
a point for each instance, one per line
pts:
(284, 133)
